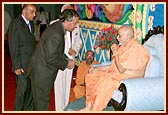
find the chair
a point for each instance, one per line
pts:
(144, 94)
(139, 94)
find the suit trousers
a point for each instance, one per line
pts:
(23, 99)
(41, 88)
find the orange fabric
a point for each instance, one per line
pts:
(80, 79)
(100, 85)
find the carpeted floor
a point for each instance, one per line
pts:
(10, 86)
(10, 90)
(80, 103)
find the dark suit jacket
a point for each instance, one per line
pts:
(21, 43)
(49, 56)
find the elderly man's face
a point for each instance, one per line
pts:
(89, 58)
(122, 37)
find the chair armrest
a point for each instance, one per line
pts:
(119, 98)
(144, 94)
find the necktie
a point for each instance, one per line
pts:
(28, 24)
(71, 38)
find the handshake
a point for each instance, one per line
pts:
(71, 64)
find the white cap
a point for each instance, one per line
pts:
(66, 6)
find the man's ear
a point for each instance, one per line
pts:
(23, 11)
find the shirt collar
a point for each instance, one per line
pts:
(27, 21)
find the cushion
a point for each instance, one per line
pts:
(155, 47)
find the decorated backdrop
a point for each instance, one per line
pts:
(95, 17)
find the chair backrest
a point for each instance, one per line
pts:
(155, 47)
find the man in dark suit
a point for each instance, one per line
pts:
(21, 45)
(49, 57)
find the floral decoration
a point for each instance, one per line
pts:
(106, 38)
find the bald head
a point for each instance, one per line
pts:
(127, 30)
(26, 6)
(29, 11)
(125, 34)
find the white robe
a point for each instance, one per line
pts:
(63, 80)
